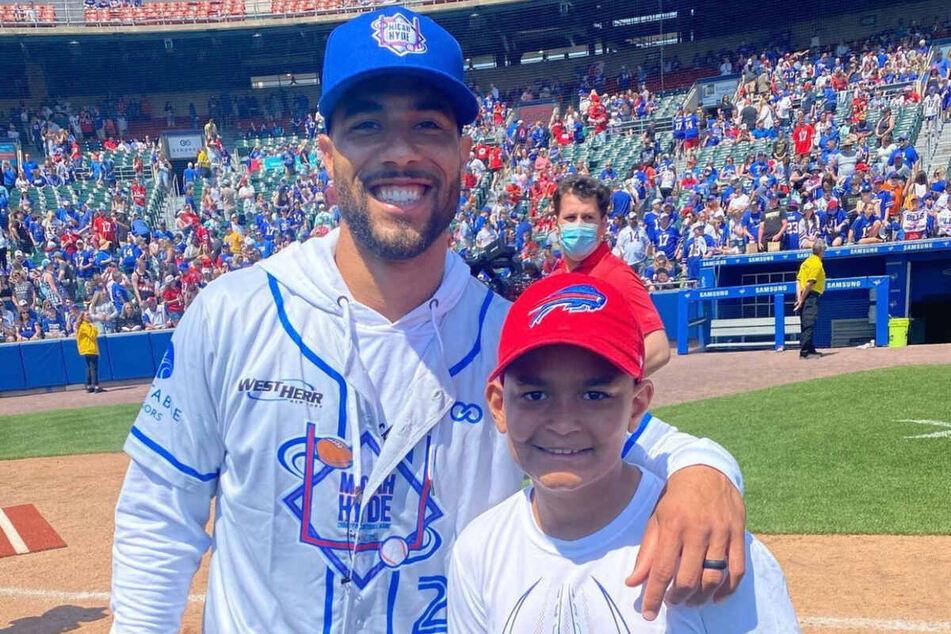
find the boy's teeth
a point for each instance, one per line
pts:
(564, 452)
(401, 194)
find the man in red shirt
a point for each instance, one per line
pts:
(105, 229)
(482, 152)
(138, 194)
(597, 114)
(581, 206)
(803, 135)
(495, 159)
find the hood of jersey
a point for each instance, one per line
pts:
(325, 287)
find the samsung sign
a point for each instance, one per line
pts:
(183, 145)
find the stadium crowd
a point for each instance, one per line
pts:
(825, 173)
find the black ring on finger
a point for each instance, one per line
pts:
(714, 564)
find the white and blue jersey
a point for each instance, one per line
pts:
(345, 452)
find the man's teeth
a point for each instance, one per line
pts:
(563, 452)
(402, 194)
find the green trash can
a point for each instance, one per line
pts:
(898, 332)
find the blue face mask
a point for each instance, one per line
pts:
(578, 241)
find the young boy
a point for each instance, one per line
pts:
(567, 392)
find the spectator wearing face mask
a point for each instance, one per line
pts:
(581, 204)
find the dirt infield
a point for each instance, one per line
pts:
(839, 584)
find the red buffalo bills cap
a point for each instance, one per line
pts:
(577, 310)
(391, 41)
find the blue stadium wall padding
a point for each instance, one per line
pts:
(11, 368)
(159, 340)
(131, 356)
(666, 304)
(43, 364)
(105, 359)
(75, 364)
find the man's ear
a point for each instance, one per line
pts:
(641, 401)
(493, 397)
(326, 146)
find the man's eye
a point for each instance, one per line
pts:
(534, 396)
(365, 125)
(430, 125)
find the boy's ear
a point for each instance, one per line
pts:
(493, 397)
(641, 401)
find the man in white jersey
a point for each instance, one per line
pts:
(942, 217)
(567, 391)
(331, 398)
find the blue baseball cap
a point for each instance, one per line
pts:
(391, 41)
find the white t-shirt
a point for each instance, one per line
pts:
(944, 223)
(508, 577)
(931, 105)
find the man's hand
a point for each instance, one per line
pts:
(700, 515)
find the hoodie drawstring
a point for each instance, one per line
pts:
(353, 429)
(433, 305)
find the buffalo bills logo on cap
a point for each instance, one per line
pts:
(578, 298)
(399, 34)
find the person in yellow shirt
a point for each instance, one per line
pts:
(204, 163)
(87, 341)
(810, 284)
(235, 240)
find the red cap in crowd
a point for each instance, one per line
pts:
(577, 310)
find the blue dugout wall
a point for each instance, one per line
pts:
(919, 275)
(56, 362)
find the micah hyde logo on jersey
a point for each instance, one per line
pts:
(293, 390)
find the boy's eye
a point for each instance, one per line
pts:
(534, 396)
(595, 395)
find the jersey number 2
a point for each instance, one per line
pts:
(433, 619)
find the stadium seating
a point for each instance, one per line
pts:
(168, 13)
(21, 15)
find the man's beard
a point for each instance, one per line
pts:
(406, 244)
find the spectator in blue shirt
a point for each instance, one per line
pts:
(908, 154)
(666, 237)
(52, 323)
(620, 203)
(865, 228)
(608, 173)
(29, 165)
(753, 226)
(108, 174)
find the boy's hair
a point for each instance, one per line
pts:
(584, 187)
(573, 309)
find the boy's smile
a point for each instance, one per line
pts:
(567, 412)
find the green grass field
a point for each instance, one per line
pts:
(822, 456)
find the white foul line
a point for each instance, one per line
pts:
(19, 546)
(875, 625)
(60, 595)
(829, 622)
